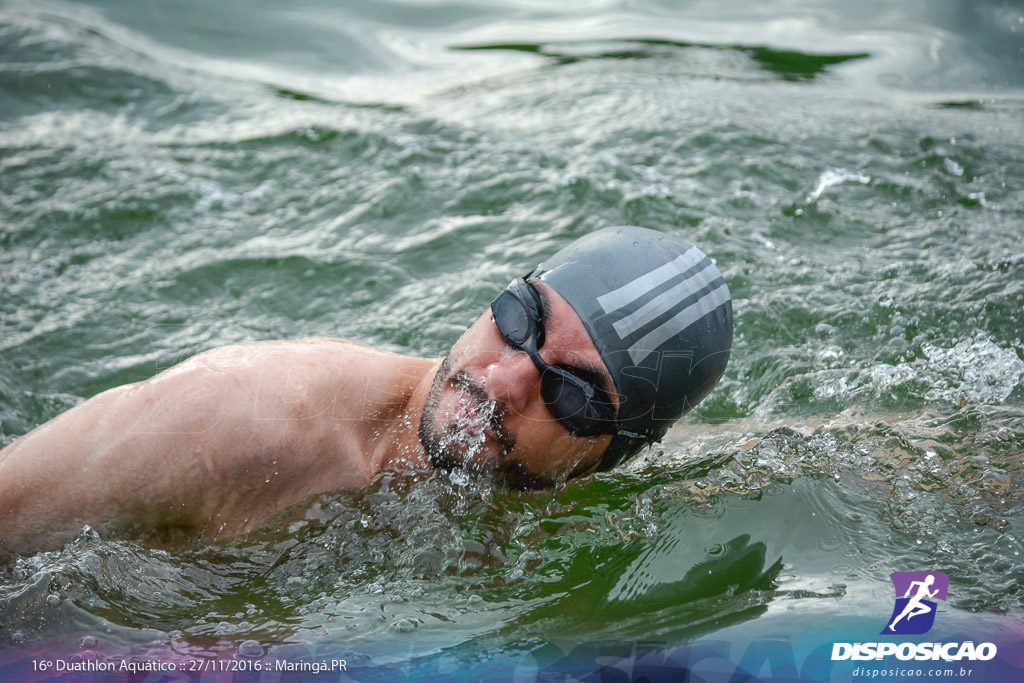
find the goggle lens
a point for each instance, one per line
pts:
(577, 404)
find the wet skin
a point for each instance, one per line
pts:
(230, 437)
(523, 444)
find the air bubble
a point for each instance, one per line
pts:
(405, 625)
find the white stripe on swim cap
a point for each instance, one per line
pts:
(666, 301)
(679, 322)
(631, 291)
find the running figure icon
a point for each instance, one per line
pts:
(917, 595)
(915, 606)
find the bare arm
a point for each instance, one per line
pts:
(208, 445)
(131, 454)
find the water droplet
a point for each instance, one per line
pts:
(52, 599)
(250, 648)
(88, 642)
(18, 638)
(405, 625)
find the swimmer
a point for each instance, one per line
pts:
(571, 370)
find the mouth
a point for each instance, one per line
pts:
(473, 419)
(477, 418)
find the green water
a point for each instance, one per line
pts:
(178, 176)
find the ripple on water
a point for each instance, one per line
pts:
(872, 248)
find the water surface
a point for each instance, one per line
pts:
(176, 176)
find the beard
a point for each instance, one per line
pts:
(450, 446)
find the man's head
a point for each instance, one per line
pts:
(581, 364)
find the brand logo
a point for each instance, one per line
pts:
(914, 614)
(916, 592)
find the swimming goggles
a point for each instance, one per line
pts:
(576, 403)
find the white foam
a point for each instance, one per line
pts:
(975, 369)
(978, 368)
(832, 177)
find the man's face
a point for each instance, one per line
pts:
(485, 410)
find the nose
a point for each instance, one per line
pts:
(512, 382)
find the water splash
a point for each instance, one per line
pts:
(473, 423)
(973, 369)
(977, 368)
(831, 178)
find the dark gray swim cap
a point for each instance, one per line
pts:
(660, 315)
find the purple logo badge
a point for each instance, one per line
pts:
(914, 612)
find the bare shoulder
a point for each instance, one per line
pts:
(288, 419)
(254, 401)
(217, 442)
(295, 379)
